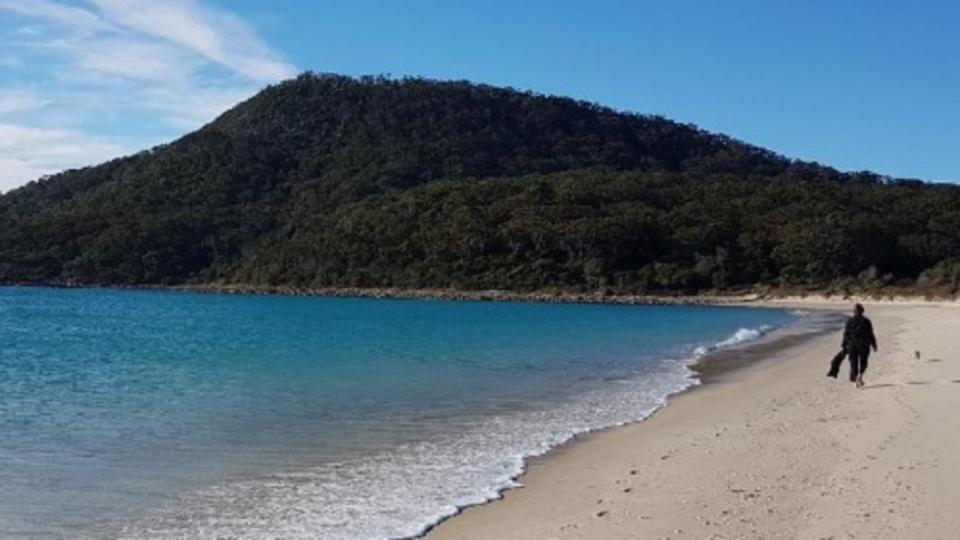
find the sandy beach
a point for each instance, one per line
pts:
(774, 450)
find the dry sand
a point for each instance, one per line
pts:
(776, 450)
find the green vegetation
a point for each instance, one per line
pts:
(328, 181)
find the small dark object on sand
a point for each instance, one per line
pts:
(835, 363)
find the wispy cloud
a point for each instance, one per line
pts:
(74, 17)
(12, 101)
(217, 35)
(133, 59)
(27, 153)
(117, 66)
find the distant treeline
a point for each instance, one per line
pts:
(328, 181)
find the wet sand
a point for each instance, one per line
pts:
(772, 449)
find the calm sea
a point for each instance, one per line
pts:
(176, 415)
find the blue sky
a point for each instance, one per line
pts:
(854, 84)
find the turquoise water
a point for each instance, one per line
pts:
(172, 415)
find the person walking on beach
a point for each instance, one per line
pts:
(858, 339)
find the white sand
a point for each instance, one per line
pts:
(776, 451)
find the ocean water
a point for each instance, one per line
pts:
(176, 415)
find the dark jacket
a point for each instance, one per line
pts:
(858, 334)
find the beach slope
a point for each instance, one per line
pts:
(776, 450)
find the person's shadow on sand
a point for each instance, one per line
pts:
(882, 385)
(908, 383)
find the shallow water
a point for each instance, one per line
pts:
(154, 414)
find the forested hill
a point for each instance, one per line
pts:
(329, 181)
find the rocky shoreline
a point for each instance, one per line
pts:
(481, 296)
(551, 296)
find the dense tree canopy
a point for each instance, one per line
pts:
(331, 181)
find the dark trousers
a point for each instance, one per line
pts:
(858, 362)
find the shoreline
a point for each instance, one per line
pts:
(766, 373)
(777, 437)
(722, 364)
(713, 367)
(629, 414)
(399, 293)
(764, 298)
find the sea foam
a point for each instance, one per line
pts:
(741, 336)
(147, 415)
(405, 491)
